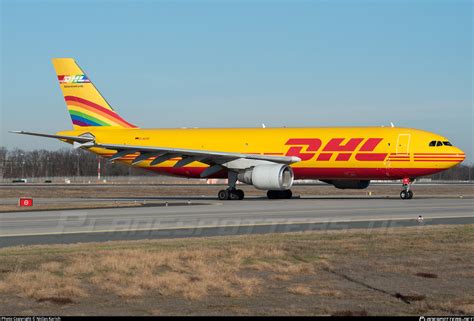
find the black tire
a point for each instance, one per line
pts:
(271, 195)
(240, 193)
(223, 195)
(285, 194)
(410, 195)
(234, 195)
(403, 195)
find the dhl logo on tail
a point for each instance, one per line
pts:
(87, 107)
(73, 79)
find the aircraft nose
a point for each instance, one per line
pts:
(460, 155)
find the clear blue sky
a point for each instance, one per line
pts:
(241, 63)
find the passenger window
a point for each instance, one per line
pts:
(439, 143)
(447, 144)
(432, 143)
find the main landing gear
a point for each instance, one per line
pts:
(231, 193)
(406, 194)
(285, 194)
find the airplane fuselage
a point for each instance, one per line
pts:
(364, 153)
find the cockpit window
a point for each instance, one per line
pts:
(435, 143)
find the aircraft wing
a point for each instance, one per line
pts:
(216, 159)
(129, 149)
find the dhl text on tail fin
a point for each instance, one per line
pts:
(84, 102)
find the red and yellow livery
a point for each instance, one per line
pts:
(268, 158)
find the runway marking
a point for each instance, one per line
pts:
(222, 226)
(190, 215)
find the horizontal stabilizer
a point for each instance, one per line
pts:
(79, 139)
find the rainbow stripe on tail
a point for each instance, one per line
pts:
(86, 105)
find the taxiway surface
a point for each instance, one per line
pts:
(207, 217)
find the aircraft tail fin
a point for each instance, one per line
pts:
(84, 102)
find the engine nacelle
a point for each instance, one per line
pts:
(349, 184)
(268, 177)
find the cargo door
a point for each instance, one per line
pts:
(403, 144)
(397, 161)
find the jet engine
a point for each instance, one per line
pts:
(349, 184)
(268, 177)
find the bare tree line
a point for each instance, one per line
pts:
(19, 163)
(457, 173)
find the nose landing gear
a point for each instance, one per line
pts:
(406, 194)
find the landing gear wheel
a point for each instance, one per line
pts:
(223, 195)
(403, 195)
(285, 194)
(272, 195)
(240, 193)
(406, 195)
(233, 195)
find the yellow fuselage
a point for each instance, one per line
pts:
(326, 153)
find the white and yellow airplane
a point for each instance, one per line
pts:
(267, 158)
